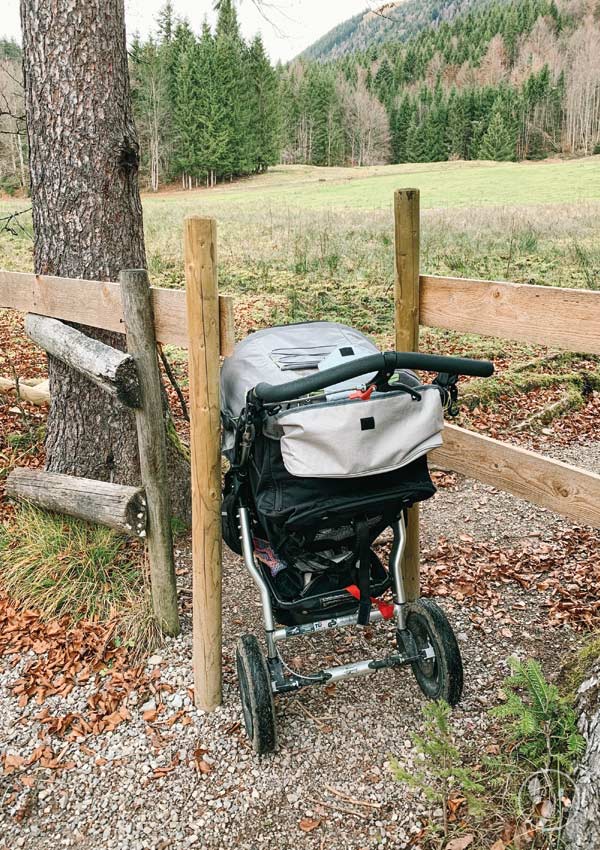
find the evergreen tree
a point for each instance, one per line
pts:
(400, 121)
(415, 143)
(498, 143)
(436, 149)
(231, 64)
(212, 125)
(265, 114)
(185, 117)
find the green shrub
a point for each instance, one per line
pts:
(538, 720)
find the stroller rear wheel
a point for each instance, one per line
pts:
(256, 695)
(438, 670)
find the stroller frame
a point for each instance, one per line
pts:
(424, 638)
(279, 682)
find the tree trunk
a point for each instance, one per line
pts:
(87, 214)
(583, 827)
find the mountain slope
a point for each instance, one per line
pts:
(397, 21)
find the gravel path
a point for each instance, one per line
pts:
(335, 743)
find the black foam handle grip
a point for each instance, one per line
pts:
(391, 360)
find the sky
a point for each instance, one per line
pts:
(292, 25)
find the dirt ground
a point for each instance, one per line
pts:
(330, 784)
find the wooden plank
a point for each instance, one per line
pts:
(200, 244)
(151, 434)
(114, 505)
(546, 315)
(560, 487)
(98, 304)
(407, 246)
(108, 368)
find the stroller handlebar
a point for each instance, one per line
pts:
(385, 362)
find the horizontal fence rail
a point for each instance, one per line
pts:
(97, 304)
(543, 315)
(560, 487)
(561, 318)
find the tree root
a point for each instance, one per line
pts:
(572, 400)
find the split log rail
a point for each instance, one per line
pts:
(202, 321)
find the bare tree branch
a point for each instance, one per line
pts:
(11, 221)
(381, 12)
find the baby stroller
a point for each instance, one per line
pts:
(327, 440)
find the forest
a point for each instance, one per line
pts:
(501, 81)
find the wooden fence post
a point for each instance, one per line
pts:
(200, 244)
(406, 299)
(150, 421)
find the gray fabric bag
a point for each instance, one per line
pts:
(338, 437)
(354, 438)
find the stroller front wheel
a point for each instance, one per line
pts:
(438, 670)
(256, 695)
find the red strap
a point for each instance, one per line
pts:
(365, 395)
(385, 608)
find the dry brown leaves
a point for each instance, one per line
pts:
(18, 357)
(566, 572)
(67, 656)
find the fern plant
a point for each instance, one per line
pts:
(541, 723)
(442, 770)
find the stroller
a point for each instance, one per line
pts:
(327, 439)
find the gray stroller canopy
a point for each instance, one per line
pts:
(281, 354)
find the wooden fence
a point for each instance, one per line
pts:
(202, 321)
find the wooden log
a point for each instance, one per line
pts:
(200, 241)
(546, 315)
(115, 505)
(150, 422)
(560, 487)
(35, 392)
(98, 304)
(110, 369)
(406, 297)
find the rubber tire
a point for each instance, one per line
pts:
(441, 678)
(256, 695)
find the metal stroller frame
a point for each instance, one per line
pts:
(425, 640)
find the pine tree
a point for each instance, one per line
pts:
(165, 23)
(457, 131)
(415, 143)
(498, 143)
(399, 124)
(325, 118)
(436, 149)
(265, 113)
(185, 117)
(212, 124)
(231, 64)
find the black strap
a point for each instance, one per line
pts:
(364, 571)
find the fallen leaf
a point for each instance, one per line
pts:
(309, 824)
(460, 843)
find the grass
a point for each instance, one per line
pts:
(307, 243)
(60, 565)
(304, 242)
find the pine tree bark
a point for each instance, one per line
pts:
(583, 827)
(87, 214)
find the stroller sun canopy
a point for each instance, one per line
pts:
(281, 354)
